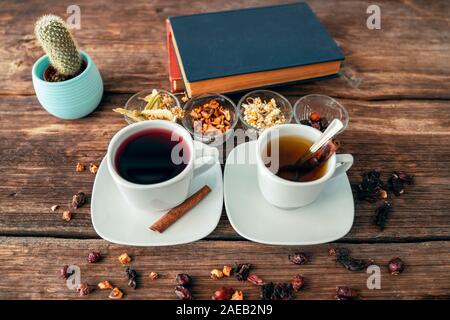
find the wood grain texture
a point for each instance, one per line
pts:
(407, 58)
(33, 267)
(38, 154)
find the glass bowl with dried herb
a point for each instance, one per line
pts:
(318, 110)
(210, 118)
(262, 109)
(156, 104)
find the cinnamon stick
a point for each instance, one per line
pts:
(177, 212)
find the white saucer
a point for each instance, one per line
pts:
(329, 218)
(114, 220)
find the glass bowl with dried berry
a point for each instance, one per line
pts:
(318, 110)
(262, 109)
(210, 118)
(156, 104)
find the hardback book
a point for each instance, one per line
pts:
(249, 48)
(176, 81)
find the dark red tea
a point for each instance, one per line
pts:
(146, 157)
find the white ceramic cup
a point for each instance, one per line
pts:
(170, 193)
(291, 194)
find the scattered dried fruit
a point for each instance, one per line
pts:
(253, 278)
(237, 295)
(266, 291)
(124, 258)
(115, 294)
(216, 274)
(211, 118)
(298, 258)
(103, 285)
(183, 279)
(93, 168)
(67, 215)
(297, 282)
(227, 271)
(396, 266)
(223, 293)
(64, 272)
(183, 293)
(131, 275)
(241, 271)
(54, 208)
(316, 121)
(94, 256)
(371, 188)
(345, 293)
(397, 181)
(78, 200)
(153, 275)
(279, 291)
(382, 213)
(352, 264)
(84, 289)
(80, 167)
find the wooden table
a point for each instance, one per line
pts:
(395, 84)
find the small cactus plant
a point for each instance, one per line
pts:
(58, 44)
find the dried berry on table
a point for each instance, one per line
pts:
(297, 282)
(93, 168)
(183, 279)
(223, 293)
(216, 274)
(298, 258)
(237, 295)
(67, 215)
(397, 180)
(253, 278)
(94, 256)
(352, 264)
(54, 208)
(84, 289)
(381, 214)
(64, 272)
(131, 275)
(345, 293)
(153, 275)
(282, 291)
(79, 167)
(241, 271)
(124, 258)
(183, 293)
(396, 266)
(371, 187)
(103, 285)
(227, 271)
(115, 294)
(78, 200)
(267, 291)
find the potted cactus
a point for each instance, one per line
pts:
(66, 81)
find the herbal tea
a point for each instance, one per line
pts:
(290, 149)
(146, 157)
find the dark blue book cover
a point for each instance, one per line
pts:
(220, 44)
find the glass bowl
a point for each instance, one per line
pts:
(136, 102)
(213, 139)
(325, 106)
(282, 103)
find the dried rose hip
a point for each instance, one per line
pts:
(381, 214)
(78, 200)
(84, 289)
(371, 187)
(267, 291)
(183, 279)
(131, 275)
(397, 181)
(352, 264)
(345, 293)
(314, 116)
(94, 257)
(253, 278)
(223, 293)
(396, 266)
(183, 293)
(282, 291)
(297, 282)
(241, 271)
(65, 274)
(298, 258)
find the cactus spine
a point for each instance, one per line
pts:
(58, 44)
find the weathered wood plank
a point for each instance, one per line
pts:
(38, 154)
(407, 58)
(30, 268)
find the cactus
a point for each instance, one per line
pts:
(58, 44)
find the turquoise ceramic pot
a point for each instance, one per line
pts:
(70, 99)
